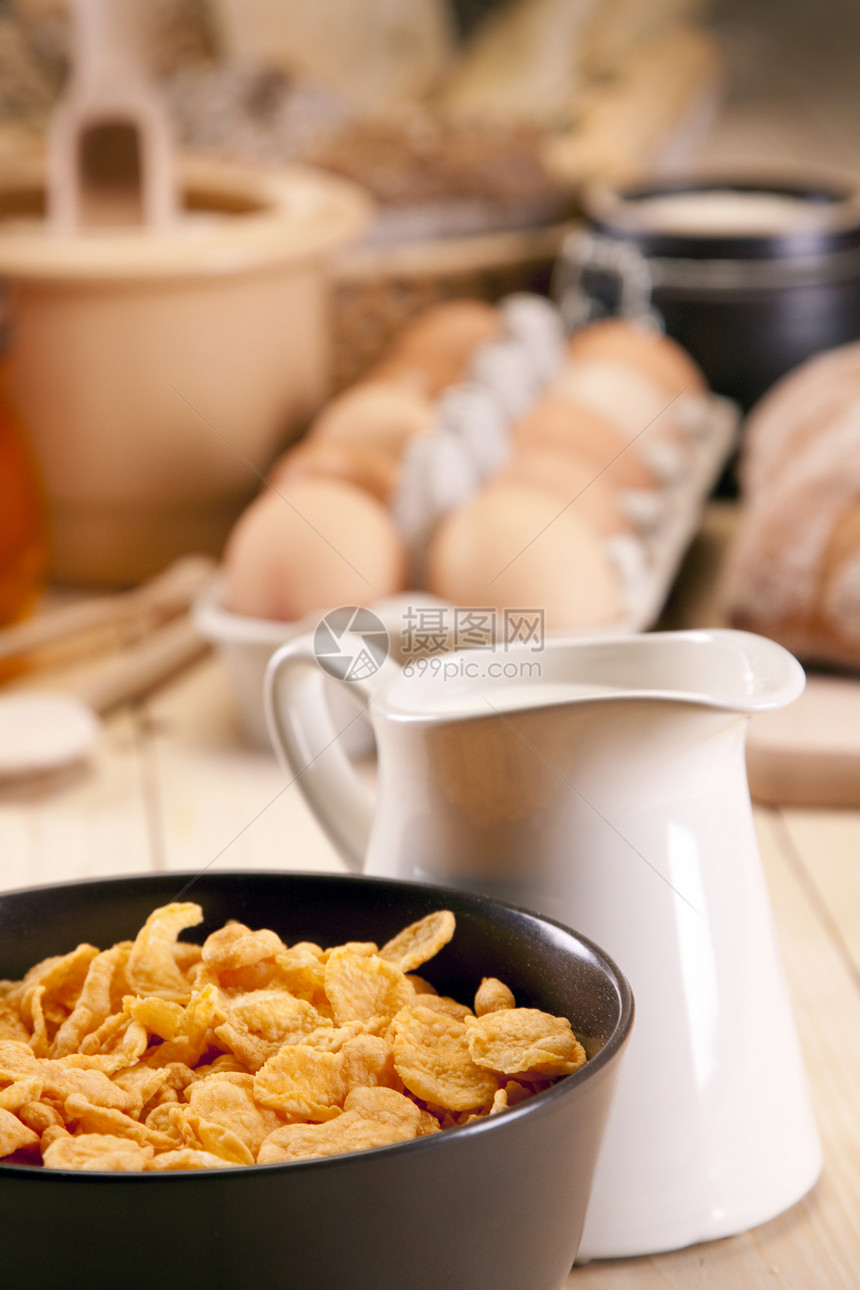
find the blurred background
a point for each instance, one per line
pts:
(155, 374)
(791, 89)
(788, 84)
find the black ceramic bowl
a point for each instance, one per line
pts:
(494, 1205)
(747, 306)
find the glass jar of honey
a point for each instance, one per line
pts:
(24, 541)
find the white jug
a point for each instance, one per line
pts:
(603, 782)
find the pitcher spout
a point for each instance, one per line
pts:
(735, 671)
(719, 668)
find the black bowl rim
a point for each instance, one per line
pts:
(186, 880)
(605, 209)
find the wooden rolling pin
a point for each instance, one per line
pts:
(136, 611)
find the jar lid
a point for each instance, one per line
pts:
(731, 218)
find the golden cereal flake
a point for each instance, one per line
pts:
(22, 1090)
(493, 995)
(11, 1025)
(259, 1023)
(420, 941)
(97, 1151)
(431, 1056)
(94, 1003)
(305, 1083)
(228, 1099)
(360, 987)
(349, 1132)
(518, 1040)
(188, 1158)
(40, 1116)
(236, 946)
(86, 1117)
(14, 1134)
(152, 967)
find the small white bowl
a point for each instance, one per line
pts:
(245, 646)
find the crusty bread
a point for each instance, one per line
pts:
(523, 64)
(374, 53)
(620, 27)
(623, 123)
(804, 404)
(794, 573)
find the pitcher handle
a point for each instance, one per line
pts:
(302, 731)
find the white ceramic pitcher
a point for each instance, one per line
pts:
(603, 782)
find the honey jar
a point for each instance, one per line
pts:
(24, 540)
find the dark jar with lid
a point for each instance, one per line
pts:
(748, 303)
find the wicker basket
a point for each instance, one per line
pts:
(378, 289)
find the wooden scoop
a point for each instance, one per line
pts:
(110, 155)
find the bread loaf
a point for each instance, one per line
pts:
(623, 123)
(801, 406)
(794, 573)
(523, 64)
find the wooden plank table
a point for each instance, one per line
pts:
(176, 786)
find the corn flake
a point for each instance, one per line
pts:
(14, 1134)
(518, 1040)
(188, 1158)
(40, 1116)
(419, 942)
(236, 946)
(493, 996)
(93, 1004)
(152, 967)
(361, 987)
(363, 1124)
(258, 1023)
(23, 1090)
(96, 1151)
(431, 1056)
(228, 1100)
(305, 1083)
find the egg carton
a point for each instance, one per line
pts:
(445, 467)
(470, 444)
(666, 533)
(667, 523)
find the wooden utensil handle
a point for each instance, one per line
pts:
(163, 596)
(143, 667)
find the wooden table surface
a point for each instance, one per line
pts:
(176, 786)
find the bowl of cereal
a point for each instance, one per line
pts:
(297, 1079)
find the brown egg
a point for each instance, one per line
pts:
(376, 413)
(315, 545)
(660, 357)
(405, 372)
(514, 546)
(574, 480)
(562, 424)
(367, 466)
(440, 342)
(624, 394)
